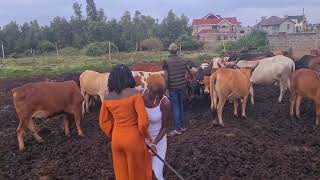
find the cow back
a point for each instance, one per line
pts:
(53, 97)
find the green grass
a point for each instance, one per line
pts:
(49, 65)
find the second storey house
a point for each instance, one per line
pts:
(275, 25)
(214, 28)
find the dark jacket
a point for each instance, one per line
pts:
(176, 68)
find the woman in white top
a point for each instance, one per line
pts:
(159, 113)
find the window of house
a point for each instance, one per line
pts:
(274, 28)
(225, 37)
(288, 26)
(214, 27)
(223, 26)
(219, 38)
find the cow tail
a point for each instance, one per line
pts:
(213, 95)
(289, 79)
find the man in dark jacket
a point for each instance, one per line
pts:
(175, 69)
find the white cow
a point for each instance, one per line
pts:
(277, 69)
(93, 84)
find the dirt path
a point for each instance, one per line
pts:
(267, 145)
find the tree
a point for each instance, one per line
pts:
(101, 16)
(172, 27)
(12, 38)
(77, 9)
(92, 13)
(126, 42)
(61, 31)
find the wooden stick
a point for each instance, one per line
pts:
(166, 163)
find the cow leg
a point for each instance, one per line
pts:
(235, 107)
(251, 94)
(293, 98)
(317, 114)
(283, 88)
(66, 121)
(21, 132)
(221, 104)
(77, 118)
(244, 105)
(34, 131)
(298, 103)
(86, 99)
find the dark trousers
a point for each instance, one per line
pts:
(176, 98)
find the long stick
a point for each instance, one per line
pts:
(167, 164)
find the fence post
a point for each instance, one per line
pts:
(2, 50)
(57, 49)
(109, 51)
(180, 48)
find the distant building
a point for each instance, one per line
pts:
(301, 23)
(275, 25)
(214, 28)
(245, 30)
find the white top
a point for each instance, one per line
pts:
(155, 119)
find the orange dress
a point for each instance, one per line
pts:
(125, 122)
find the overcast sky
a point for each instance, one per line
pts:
(247, 11)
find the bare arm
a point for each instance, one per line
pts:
(166, 119)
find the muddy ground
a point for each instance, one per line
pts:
(266, 145)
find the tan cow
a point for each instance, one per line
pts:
(305, 83)
(230, 83)
(93, 84)
(44, 100)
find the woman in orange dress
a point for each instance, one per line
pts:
(123, 118)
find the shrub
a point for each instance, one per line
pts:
(151, 44)
(70, 51)
(254, 40)
(99, 48)
(189, 43)
(46, 46)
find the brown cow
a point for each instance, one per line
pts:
(44, 100)
(141, 77)
(230, 83)
(305, 83)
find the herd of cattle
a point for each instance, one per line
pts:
(222, 78)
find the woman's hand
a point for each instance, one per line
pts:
(153, 148)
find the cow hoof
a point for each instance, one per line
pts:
(244, 117)
(81, 135)
(22, 149)
(222, 124)
(299, 117)
(236, 115)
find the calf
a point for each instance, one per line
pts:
(93, 84)
(305, 83)
(230, 83)
(44, 100)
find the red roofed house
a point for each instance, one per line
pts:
(215, 28)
